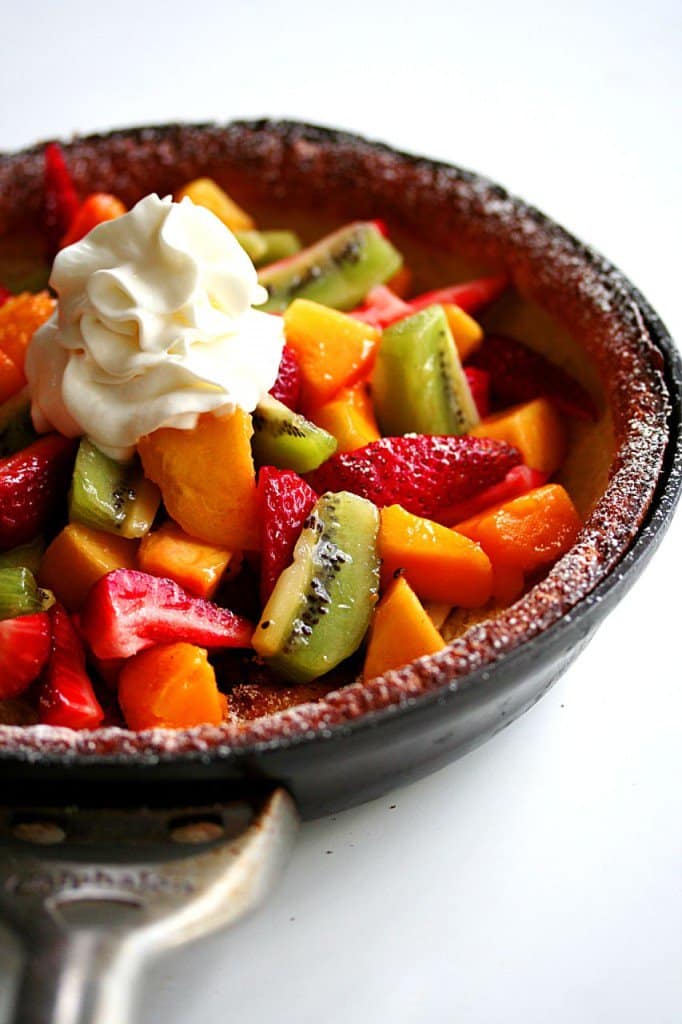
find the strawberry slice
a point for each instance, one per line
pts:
(61, 198)
(518, 481)
(127, 611)
(285, 501)
(33, 482)
(381, 307)
(518, 374)
(24, 649)
(424, 473)
(479, 385)
(287, 387)
(66, 694)
(469, 296)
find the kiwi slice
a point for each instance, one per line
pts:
(16, 426)
(337, 271)
(418, 384)
(28, 556)
(286, 439)
(319, 611)
(111, 496)
(263, 247)
(20, 594)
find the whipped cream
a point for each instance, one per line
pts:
(154, 325)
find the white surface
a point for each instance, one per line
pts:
(539, 878)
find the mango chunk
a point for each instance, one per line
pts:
(333, 350)
(535, 428)
(172, 686)
(433, 559)
(467, 332)
(78, 557)
(349, 417)
(205, 192)
(401, 631)
(207, 478)
(193, 564)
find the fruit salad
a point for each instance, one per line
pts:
(237, 472)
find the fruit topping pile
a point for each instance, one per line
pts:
(401, 466)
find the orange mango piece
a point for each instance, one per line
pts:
(401, 631)
(78, 557)
(349, 417)
(207, 478)
(433, 559)
(466, 332)
(172, 686)
(96, 209)
(193, 564)
(535, 428)
(20, 318)
(528, 532)
(333, 349)
(205, 192)
(11, 377)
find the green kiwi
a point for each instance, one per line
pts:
(418, 384)
(28, 556)
(321, 607)
(20, 594)
(111, 496)
(16, 426)
(263, 247)
(286, 439)
(337, 271)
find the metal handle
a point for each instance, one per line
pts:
(121, 887)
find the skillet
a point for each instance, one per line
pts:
(77, 790)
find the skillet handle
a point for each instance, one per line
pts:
(89, 923)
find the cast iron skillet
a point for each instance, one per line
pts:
(355, 743)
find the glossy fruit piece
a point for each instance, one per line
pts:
(28, 556)
(205, 192)
(381, 307)
(479, 386)
(97, 208)
(518, 374)
(20, 318)
(401, 282)
(339, 270)
(16, 425)
(535, 428)
(319, 611)
(61, 198)
(12, 379)
(434, 560)
(128, 611)
(78, 557)
(172, 686)
(349, 417)
(424, 474)
(469, 296)
(66, 695)
(20, 594)
(193, 564)
(286, 439)
(529, 532)
(518, 481)
(285, 501)
(418, 385)
(287, 387)
(207, 478)
(111, 496)
(401, 631)
(24, 650)
(333, 349)
(33, 483)
(467, 332)
(265, 247)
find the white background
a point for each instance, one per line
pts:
(538, 879)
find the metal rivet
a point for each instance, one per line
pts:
(43, 833)
(197, 832)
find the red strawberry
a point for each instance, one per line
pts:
(5, 294)
(287, 387)
(66, 694)
(469, 296)
(32, 484)
(423, 473)
(518, 374)
(479, 385)
(61, 198)
(127, 611)
(24, 649)
(285, 501)
(518, 481)
(381, 307)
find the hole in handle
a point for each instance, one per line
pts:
(93, 912)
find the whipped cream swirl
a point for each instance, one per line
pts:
(154, 325)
